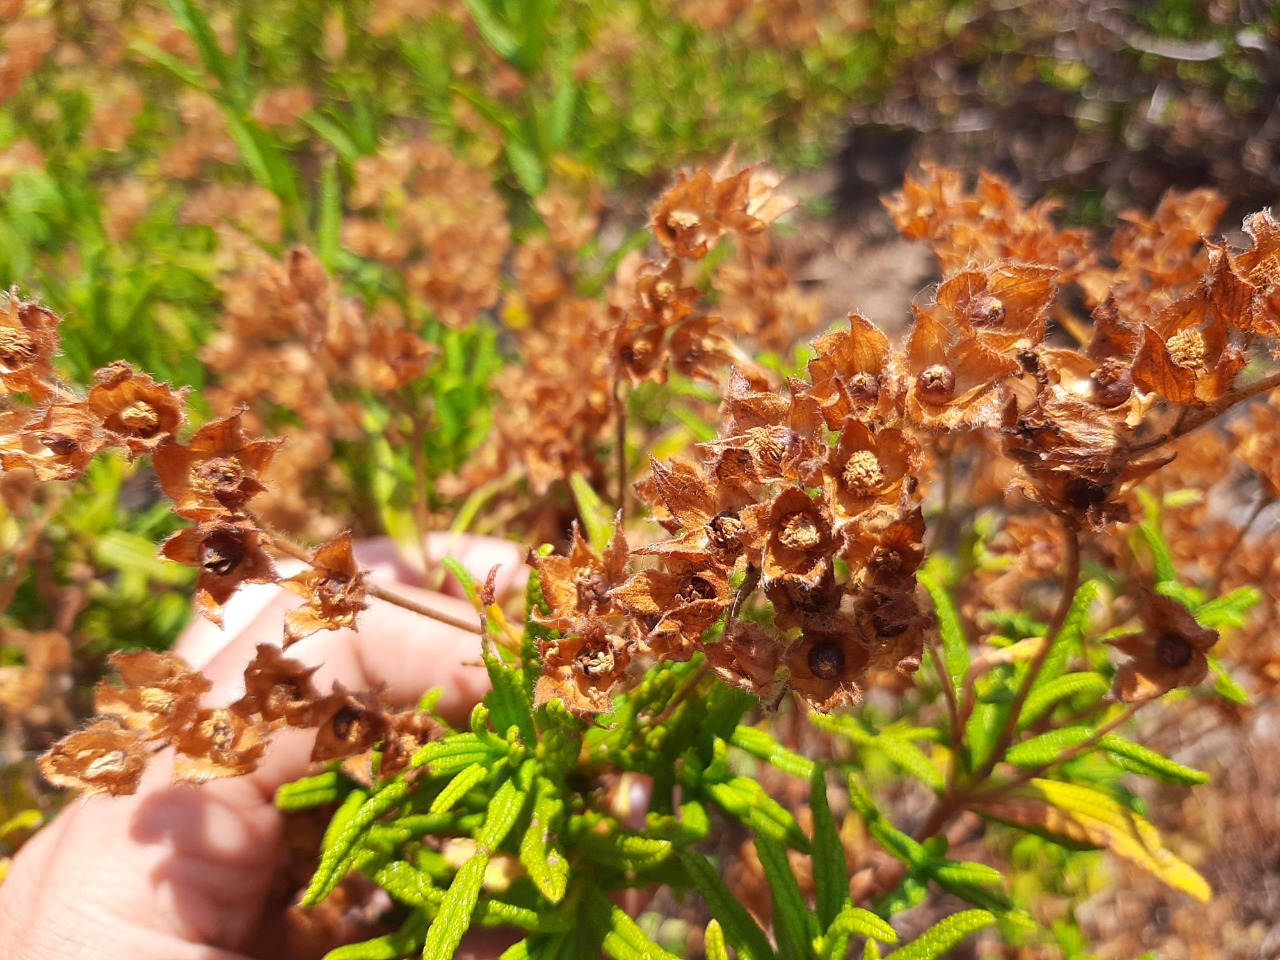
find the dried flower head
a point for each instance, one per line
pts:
(334, 588)
(135, 410)
(217, 472)
(228, 553)
(1168, 653)
(106, 756)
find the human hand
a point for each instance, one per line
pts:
(181, 872)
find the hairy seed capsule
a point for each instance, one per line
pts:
(60, 445)
(826, 661)
(1112, 385)
(987, 312)
(937, 383)
(863, 388)
(1173, 651)
(725, 531)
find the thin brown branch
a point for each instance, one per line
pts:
(470, 626)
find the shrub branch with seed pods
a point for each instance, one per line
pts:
(795, 544)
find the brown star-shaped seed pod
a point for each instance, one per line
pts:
(1004, 305)
(135, 410)
(827, 663)
(748, 657)
(681, 602)
(1168, 653)
(1185, 354)
(583, 581)
(334, 588)
(57, 446)
(581, 668)
(850, 373)
(160, 697)
(216, 472)
(28, 341)
(278, 688)
(952, 380)
(106, 756)
(228, 554)
(220, 743)
(866, 467)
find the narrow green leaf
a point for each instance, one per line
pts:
(1229, 610)
(526, 165)
(1047, 747)
(342, 838)
(453, 753)
(192, 20)
(560, 115)
(625, 851)
(944, 935)
(745, 800)
(329, 216)
(742, 932)
(547, 865)
(495, 33)
(790, 918)
(830, 870)
(459, 902)
(596, 515)
(1070, 638)
(263, 158)
(1149, 530)
(713, 942)
(955, 646)
(625, 940)
(1225, 686)
(1139, 759)
(1046, 695)
(863, 923)
(392, 946)
(464, 578)
(328, 787)
(894, 841)
(764, 747)
(458, 787)
(332, 134)
(504, 810)
(178, 68)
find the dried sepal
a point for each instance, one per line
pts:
(217, 472)
(952, 381)
(106, 756)
(850, 373)
(347, 724)
(1168, 653)
(334, 590)
(58, 445)
(827, 664)
(228, 553)
(220, 743)
(278, 688)
(748, 657)
(28, 341)
(1005, 306)
(160, 696)
(135, 410)
(584, 580)
(700, 208)
(677, 606)
(582, 667)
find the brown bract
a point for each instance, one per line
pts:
(57, 446)
(850, 373)
(793, 538)
(278, 688)
(1260, 265)
(215, 473)
(334, 588)
(105, 757)
(220, 743)
(228, 554)
(582, 582)
(952, 381)
(1184, 354)
(347, 724)
(1168, 653)
(1004, 305)
(582, 667)
(702, 207)
(677, 605)
(826, 664)
(160, 696)
(28, 341)
(748, 657)
(135, 410)
(703, 517)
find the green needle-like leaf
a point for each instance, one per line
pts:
(742, 932)
(790, 917)
(830, 871)
(943, 935)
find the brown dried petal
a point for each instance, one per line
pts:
(106, 756)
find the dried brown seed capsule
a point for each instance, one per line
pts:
(1083, 493)
(937, 383)
(987, 312)
(826, 660)
(593, 590)
(1174, 651)
(1112, 384)
(799, 532)
(344, 720)
(863, 387)
(220, 553)
(60, 445)
(698, 588)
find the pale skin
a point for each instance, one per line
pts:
(184, 872)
